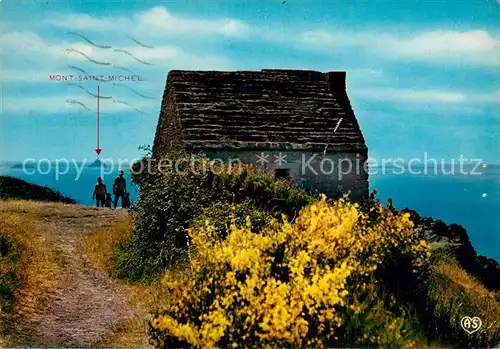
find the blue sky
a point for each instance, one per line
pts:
(422, 76)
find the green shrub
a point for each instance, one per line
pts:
(170, 199)
(161, 216)
(5, 245)
(9, 280)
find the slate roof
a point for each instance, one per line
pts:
(286, 109)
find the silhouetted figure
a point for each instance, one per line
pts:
(108, 201)
(119, 188)
(126, 200)
(99, 193)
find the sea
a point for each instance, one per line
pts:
(472, 201)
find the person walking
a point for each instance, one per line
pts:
(100, 192)
(119, 188)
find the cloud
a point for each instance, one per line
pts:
(32, 48)
(468, 47)
(158, 57)
(27, 44)
(473, 47)
(491, 97)
(160, 18)
(30, 58)
(33, 58)
(410, 95)
(25, 76)
(61, 104)
(437, 42)
(53, 55)
(157, 21)
(426, 96)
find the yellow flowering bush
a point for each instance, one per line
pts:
(288, 285)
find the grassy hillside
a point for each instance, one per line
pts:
(14, 188)
(450, 293)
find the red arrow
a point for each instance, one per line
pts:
(98, 150)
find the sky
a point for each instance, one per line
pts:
(422, 76)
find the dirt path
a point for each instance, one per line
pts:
(86, 306)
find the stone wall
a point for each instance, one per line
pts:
(332, 173)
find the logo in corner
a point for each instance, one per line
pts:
(471, 325)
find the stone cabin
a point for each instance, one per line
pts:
(298, 124)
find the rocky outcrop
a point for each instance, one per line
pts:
(453, 239)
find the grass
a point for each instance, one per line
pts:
(98, 248)
(99, 245)
(36, 210)
(453, 272)
(51, 238)
(452, 293)
(29, 265)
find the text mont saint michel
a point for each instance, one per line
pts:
(71, 77)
